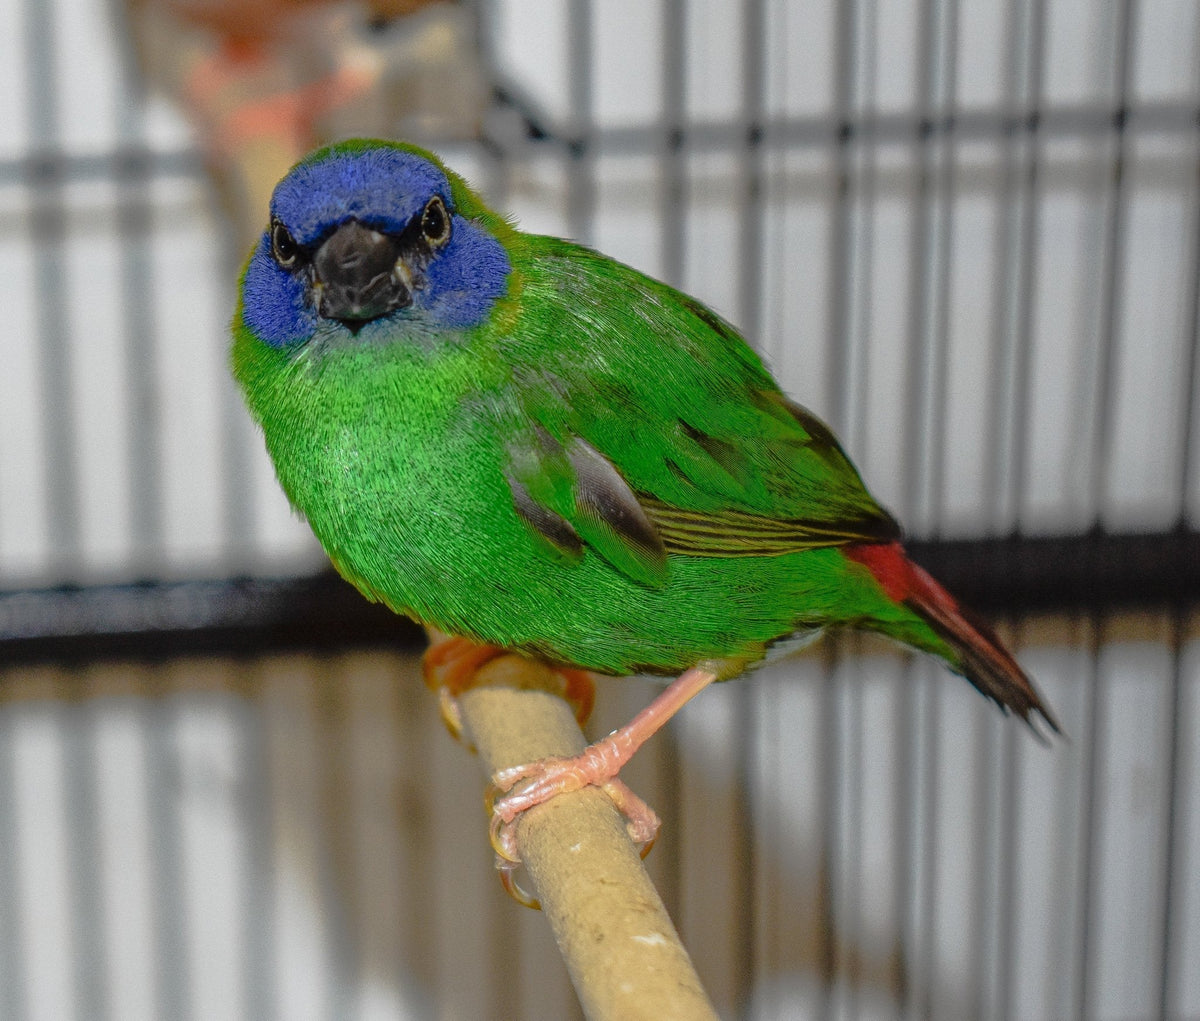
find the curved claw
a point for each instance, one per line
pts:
(503, 837)
(502, 833)
(508, 879)
(451, 714)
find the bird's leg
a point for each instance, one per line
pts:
(451, 665)
(596, 765)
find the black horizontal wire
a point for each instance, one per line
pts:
(234, 616)
(970, 125)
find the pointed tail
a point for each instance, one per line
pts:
(979, 655)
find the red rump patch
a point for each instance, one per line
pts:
(889, 565)
(905, 582)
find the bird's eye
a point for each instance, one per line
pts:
(435, 222)
(283, 246)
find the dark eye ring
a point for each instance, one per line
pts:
(435, 222)
(283, 246)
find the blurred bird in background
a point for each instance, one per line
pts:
(264, 81)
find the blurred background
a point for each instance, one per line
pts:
(966, 233)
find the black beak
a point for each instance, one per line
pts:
(356, 268)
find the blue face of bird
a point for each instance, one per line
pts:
(367, 245)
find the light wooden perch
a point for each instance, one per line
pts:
(620, 947)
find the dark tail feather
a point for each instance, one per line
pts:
(981, 657)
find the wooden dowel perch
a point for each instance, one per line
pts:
(621, 950)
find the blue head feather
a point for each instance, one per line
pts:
(383, 188)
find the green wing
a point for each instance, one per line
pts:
(651, 428)
(570, 494)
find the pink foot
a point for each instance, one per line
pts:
(548, 778)
(598, 766)
(641, 823)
